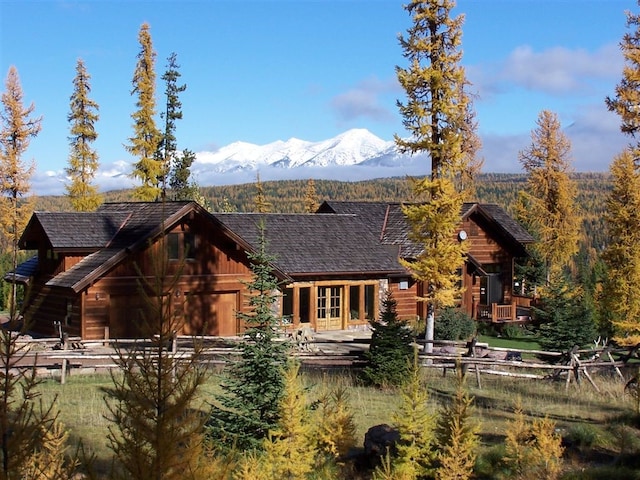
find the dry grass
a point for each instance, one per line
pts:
(602, 426)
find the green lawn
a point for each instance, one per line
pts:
(524, 343)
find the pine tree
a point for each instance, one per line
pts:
(290, 449)
(457, 435)
(156, 426)
(83, 160)
(168, 146)
(260, 202)
(146, 137)
(18, 127)
(247, 409)
(437, 116)
(619, 302)
(566, 320)
(548, 205)
(181, 188)
(311, 197)
(390, 352)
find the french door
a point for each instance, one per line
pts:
(329, 308)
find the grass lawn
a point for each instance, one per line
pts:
(523, 343)
(600, 429)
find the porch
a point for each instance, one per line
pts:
(518, 311)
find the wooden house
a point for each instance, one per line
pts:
(334, 266)
(495, 241)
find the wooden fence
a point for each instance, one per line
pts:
(50, 356)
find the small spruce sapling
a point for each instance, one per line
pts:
(389, 355)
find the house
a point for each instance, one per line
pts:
(495, 240)
(333, 266)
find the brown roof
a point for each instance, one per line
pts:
(110, 233)
(393, 228)
(306, 244)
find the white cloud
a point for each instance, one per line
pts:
(555, 71)
(364, 101)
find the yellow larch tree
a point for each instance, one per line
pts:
(16, 206)
(436, 114)
(83, 159)
(548, 205)
(146, 137)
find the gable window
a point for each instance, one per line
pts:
(181, 246)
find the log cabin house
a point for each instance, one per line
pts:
(334, 265)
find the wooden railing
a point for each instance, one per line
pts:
(501, 313)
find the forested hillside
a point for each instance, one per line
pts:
(288, 196)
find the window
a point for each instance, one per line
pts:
(369, 301)
(354, 302)
(181, 246)
(173, 246)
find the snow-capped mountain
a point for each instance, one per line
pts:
(354, 147)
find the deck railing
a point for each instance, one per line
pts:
(517, 310)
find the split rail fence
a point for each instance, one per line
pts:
(60, 359)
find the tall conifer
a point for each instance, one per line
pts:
(436, 115)
(310, 197)
(83, 159)
(260, 202)
(18, 128)
(146, 136)
(548, 205)
(248, 408)
(620, 303)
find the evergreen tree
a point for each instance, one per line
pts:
(260, 202)
(619, 302)
(566, 320)
(157, 430)
(18, 127)
(548, 205)
(168, 147)
(146, 137)
(247, 409)
(457, 435)
(311, 197)
(437, 116)
(290, 450)
(83, 160)
(390, 351)
(181, 188)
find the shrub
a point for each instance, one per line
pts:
(388, 358)
(454, 324)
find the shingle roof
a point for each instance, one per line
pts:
(389, 221)
(316, 244)
(136, 223)
(80, 229)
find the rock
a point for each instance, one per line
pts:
(378, 439)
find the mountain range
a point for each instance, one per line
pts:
(351, 148)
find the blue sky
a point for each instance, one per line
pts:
(266, 70)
